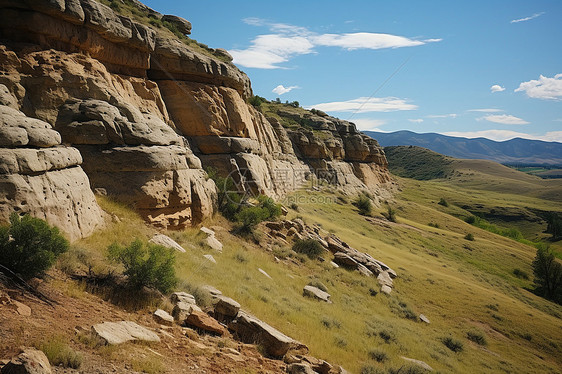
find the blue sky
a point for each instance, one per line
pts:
(470, 68)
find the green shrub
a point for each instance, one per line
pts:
(294, 206)
(520, 274)
(390, 214)
(431, 224)
(443, 202)
(146, 264)
(256, 101)
(469, 236)
(378, 355)
(408, 369)
(29, 245)
(370, 369)
(363, 203)
(59, 353)
(387, 336)
(470, 220)
(453, 344)
(477, 336)
(310, 247)
(548, 275)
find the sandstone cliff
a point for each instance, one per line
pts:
(144, 111)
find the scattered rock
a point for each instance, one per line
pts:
(182, 310)
(384, 279)
(121, 332)
(419, 363)
(21, 309)
(167, 242)
(344, 260)
(162, 317)
(316, 293)
(300, 368)
(250, 329)
(264, 273)
(205, 322)
(386, 290)
(214, 243)
(181, 24)
(30, 361)
(176, 297)
(207, 231)
(211, 290)
(423, 318)
(210, 258)
(226, 306)
(334, 265)
(363, 270)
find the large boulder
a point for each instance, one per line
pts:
(250, 329)
(121, 332)
(203, 321)
(181, 24)
(30, 361)
(225, 306)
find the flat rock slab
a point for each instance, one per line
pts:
(180, 296)
(418, 363)
(214, 243)
(163, 317)
(264, 273)
(423, 318)
(316, 293)
(124, 331)
(226, 306)
(203, 321)
(210, 258)
(167, 242)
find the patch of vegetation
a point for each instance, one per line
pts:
(378, 355)
(477, 337)
(329, 322)
(59, 352)
(417, 163)
(256, 101)
(390, 214)
(340, 342)
(469, 236)
(548, 275)
(408, 369)
(370, 369)
(146, 265)
(443, 202)
(554, 225)
(29, 246)
(363, 203)
(520, 274)
(432, 224)
(310, 247)
(512, 232)
(453, 344)
(316, 283)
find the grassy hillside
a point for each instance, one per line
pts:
(461, 286)
(418, 163)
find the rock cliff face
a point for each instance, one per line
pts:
(143, 112)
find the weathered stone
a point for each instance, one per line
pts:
(177, 297)
(226, 306)
(182, 25)
(207, 231)
(316, 293)
(424, 319)
(214, 243)
(120, 332)
(210, 258)
(167, 242)
(250, 329)
(162, 317)
(384, 279)
(300, 368)
(205, 322)
(386, 289)
(21, 308)
(30, 361)
(211, 290)
(264, 273)
(364, 270)
(182, 310)
(419, 363)
(345, 260)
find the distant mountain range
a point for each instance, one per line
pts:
(514, 151)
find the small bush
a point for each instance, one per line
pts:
(469, 236)
(520, 274)
(470, 220)
(256, 101)
(431, 224)
(387, 336)
(390, 214)
(363, 203)
(328, 322)
(294, 206)
(378, 355)
(29, 246)
(59, 353)
(147, 265)
(408, 369)
(443, 202)
(477, 337)
(453, 344)
(310, 247)
(340, 342)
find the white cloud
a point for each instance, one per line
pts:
(280, 90)
(527, 18)
(366, 104)
(504, 119)
(366, 40)
(486, 110)
(544, 88)
(365, 124)
(287, 41)
(497, 88)
(451, 115)
(416, 120)
(501, 135)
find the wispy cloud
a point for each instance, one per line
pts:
(451, 115)
(286, 41)
(536, 15)
(366, 104)
(486, 110)
(365, 124)
(416, 120)
(502, 135)
(544, 88)
(280, 90)
(497, 88)
(504, 119)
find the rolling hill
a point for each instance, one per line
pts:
(514, 151)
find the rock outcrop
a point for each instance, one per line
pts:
(147, 111)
